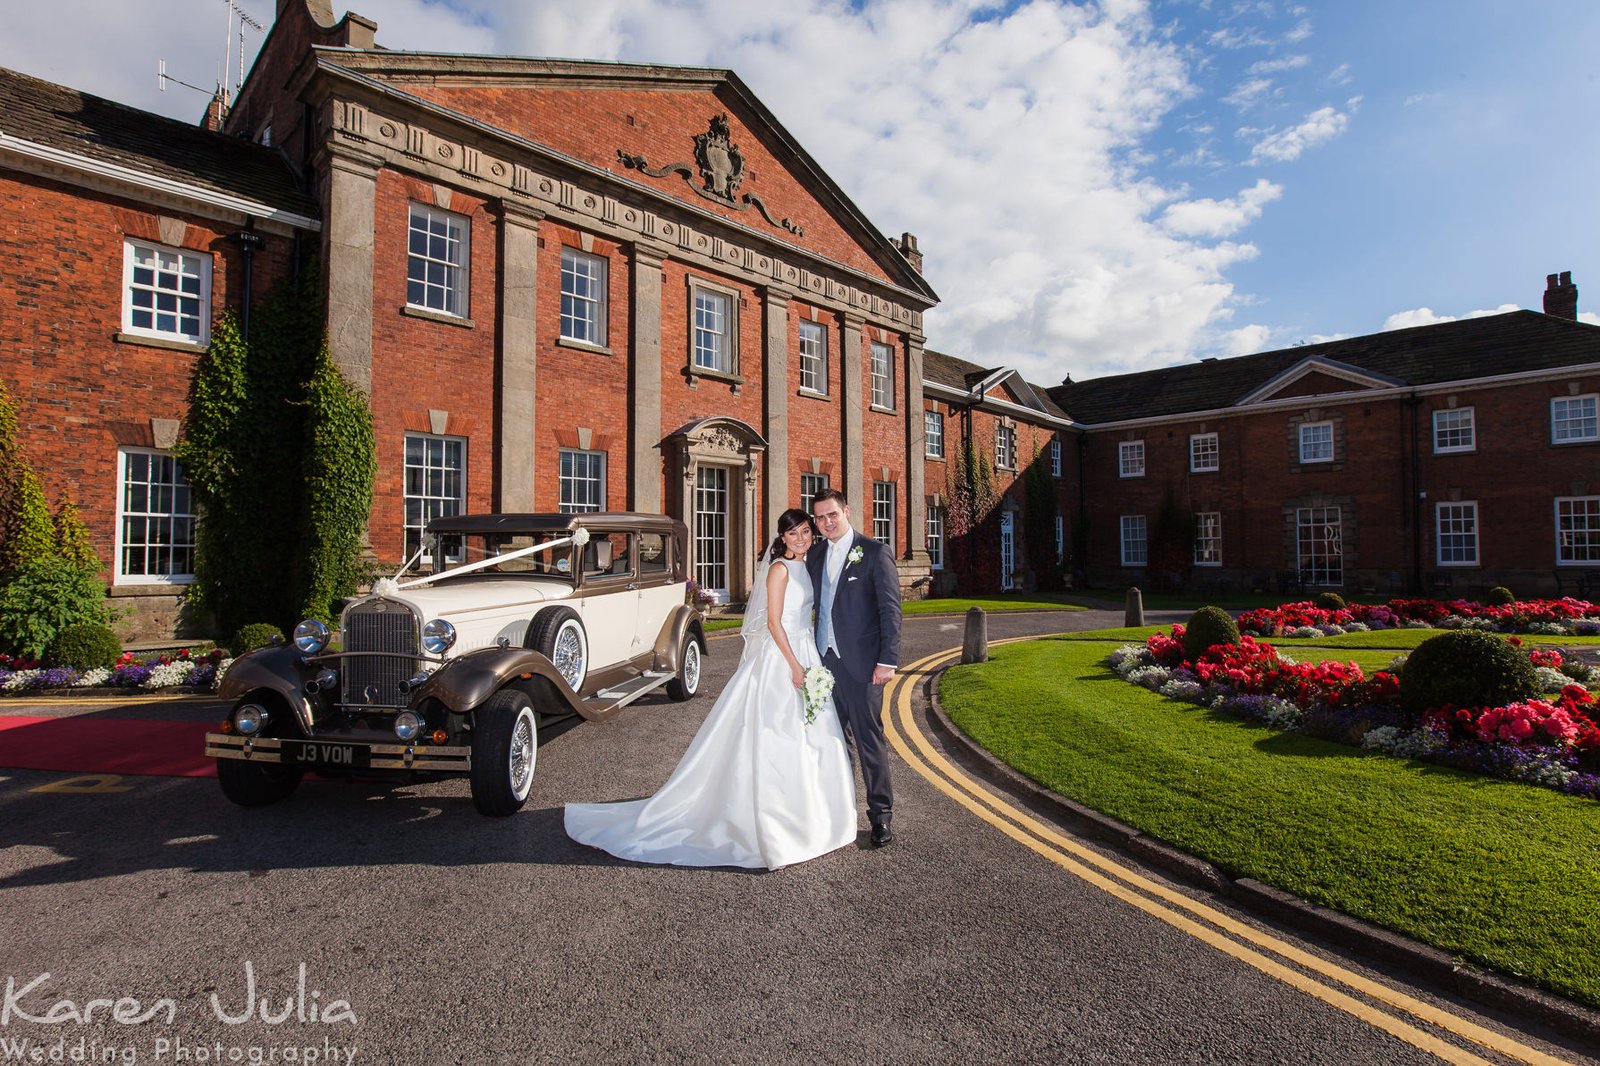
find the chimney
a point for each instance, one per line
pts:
(217, 115)
(1561, 296)
(908, 248)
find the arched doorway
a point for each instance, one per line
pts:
(716, 465)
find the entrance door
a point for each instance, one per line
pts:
(711, 530)
(1008, 548)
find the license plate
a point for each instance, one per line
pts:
(324, 753)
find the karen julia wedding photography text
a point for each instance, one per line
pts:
(143, 1036)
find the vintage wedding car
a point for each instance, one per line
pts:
(524, 619)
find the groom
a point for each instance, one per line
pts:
(858, 632)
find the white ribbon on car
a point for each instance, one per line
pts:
(389, 586)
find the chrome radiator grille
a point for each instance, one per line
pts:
(379, 626)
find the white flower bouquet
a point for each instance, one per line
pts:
(818, 688)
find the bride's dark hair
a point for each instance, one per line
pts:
(794, 516)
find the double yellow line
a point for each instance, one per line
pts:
(1292, 965)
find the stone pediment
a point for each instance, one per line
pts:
(696, 136)
(1317, 376)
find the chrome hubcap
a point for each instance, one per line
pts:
(522, 754)
(691, 667)
(569, 655)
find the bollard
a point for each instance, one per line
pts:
(975, 644)
(1133, 611)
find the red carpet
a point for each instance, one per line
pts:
(106, 746)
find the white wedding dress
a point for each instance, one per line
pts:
(758, 787)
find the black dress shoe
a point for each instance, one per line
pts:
(881, 834)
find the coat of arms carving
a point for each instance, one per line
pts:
(721, 165)
(721, 170)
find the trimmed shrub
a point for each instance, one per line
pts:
(1330, 601)
(42, 598)
(1465, 668)
(84, 646)
(1499, 596)
(1208, 626)
(253, 636)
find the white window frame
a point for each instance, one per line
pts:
(1208, 538)
(933, 434)
(432, 505)
(591, 478)
(1455, 523)
(1134, 540)
(882, 376)
(1005, 446)
(1455, 429)
(1586, 423)
(810, 486)
(883, 512)
(167, 289)
(1586, 508)
(1308, 520)
(814, 358)
(1312, 442)
(933, 521)
(445, 261)
(1205, 453)
(178, 518)
(720, 339)
(1061, 540)
(1130, 458)
(1055, 457)
(585, 291)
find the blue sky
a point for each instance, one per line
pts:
(1098, 186)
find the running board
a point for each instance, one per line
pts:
(608, 701)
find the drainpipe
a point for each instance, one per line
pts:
(249, 242)
(1413, 479)
(1081, 545)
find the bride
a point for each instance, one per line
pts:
(758, 787)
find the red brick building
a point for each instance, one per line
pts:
(124, 235)
(1442, 459)
(562, 285)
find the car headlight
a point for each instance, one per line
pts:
(250, 719)
(438, 636)
(311, 636)
(407, 725)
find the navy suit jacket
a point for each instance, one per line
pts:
(866, 606)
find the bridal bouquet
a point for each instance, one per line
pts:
(818, 687)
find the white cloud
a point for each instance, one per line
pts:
(1340, 75)
(1278, 66)
(1219, 218)
(1426, 316)
(1284, 146)
(1590, 317)
(1249, 93)
(1246, 340)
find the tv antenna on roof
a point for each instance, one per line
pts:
(226, 87)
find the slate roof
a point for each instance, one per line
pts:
(72, 121)
(1514, 342)
(947, 370)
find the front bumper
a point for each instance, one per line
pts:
(457, 759)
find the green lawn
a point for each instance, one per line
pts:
(1499, 873)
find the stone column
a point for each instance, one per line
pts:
(777, 410)
(644, 454)
(854, 470)
(350, 210)
(916, 449)
(519, 294)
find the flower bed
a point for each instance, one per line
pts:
(1545, 617)
(1554, 743)
(178, 670)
